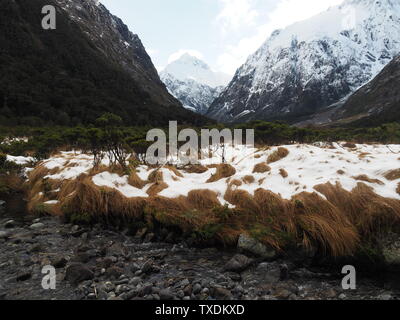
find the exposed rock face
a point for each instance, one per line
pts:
(193, 83)
(313, 64)
(113, 38)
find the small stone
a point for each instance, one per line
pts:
(76, 273)
(59, 262)
(222, 294)
(282, 294)
(385, 297)
(330, 294)
(149, 238)
(24, 276)
(238, 263)
(37, 226)
(145, 290)
(4, 234)
(342, 296)
(196, 288)
(135, 281)
(166, 295)
(9, 224)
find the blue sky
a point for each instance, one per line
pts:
(221, 32)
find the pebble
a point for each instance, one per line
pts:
(37, 226)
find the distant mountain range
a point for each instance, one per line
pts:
(306, 72)
(89, 65)
(193, 82)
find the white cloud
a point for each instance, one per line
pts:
(285, 13)
(176, 55)
(236, 13)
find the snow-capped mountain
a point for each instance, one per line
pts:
(313, 64)
(193, 82)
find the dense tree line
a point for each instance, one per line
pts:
(110, 135)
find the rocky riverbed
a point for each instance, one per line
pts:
(94, 263)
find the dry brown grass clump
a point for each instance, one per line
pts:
(156, 188)
(392, 175)
(235, 182)
(100, 202)
(175, 171)
(370, 213)
(203, 199)
(195, 168)
(398, 188)
(135, 181)
(283, 173)
(278, 155)
(261, 168)
(341, 172)
(349, 145)
(223, 171)
(365, 178)
(249, 179)
(156, 176)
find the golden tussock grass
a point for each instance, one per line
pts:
(261, 168)
(174, 170)
(283, 173)
(277, 155)
(392, 175)
(195, 168)
(367, 211)
(156, 188)
(349, 145)
(365, 178)
(223, 171)
(155, 176)
(38, 173)
(235, 182)
(249, 179)
(203, 199)
(87, 198)
(135, 181)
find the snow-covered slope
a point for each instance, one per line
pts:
(193, 82)
(302, 170)
(314, 63)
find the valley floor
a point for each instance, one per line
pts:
(107, 265)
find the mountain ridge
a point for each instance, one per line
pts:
(299, 71)
(193, 83)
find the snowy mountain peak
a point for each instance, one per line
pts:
(193, 82)
(188, 67)
(313, 63)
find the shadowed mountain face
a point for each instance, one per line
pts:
(89, 65)
(377, 102)
(313, 64)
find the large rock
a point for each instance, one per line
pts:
(250, 245)
(390, 245)
(77, 272)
